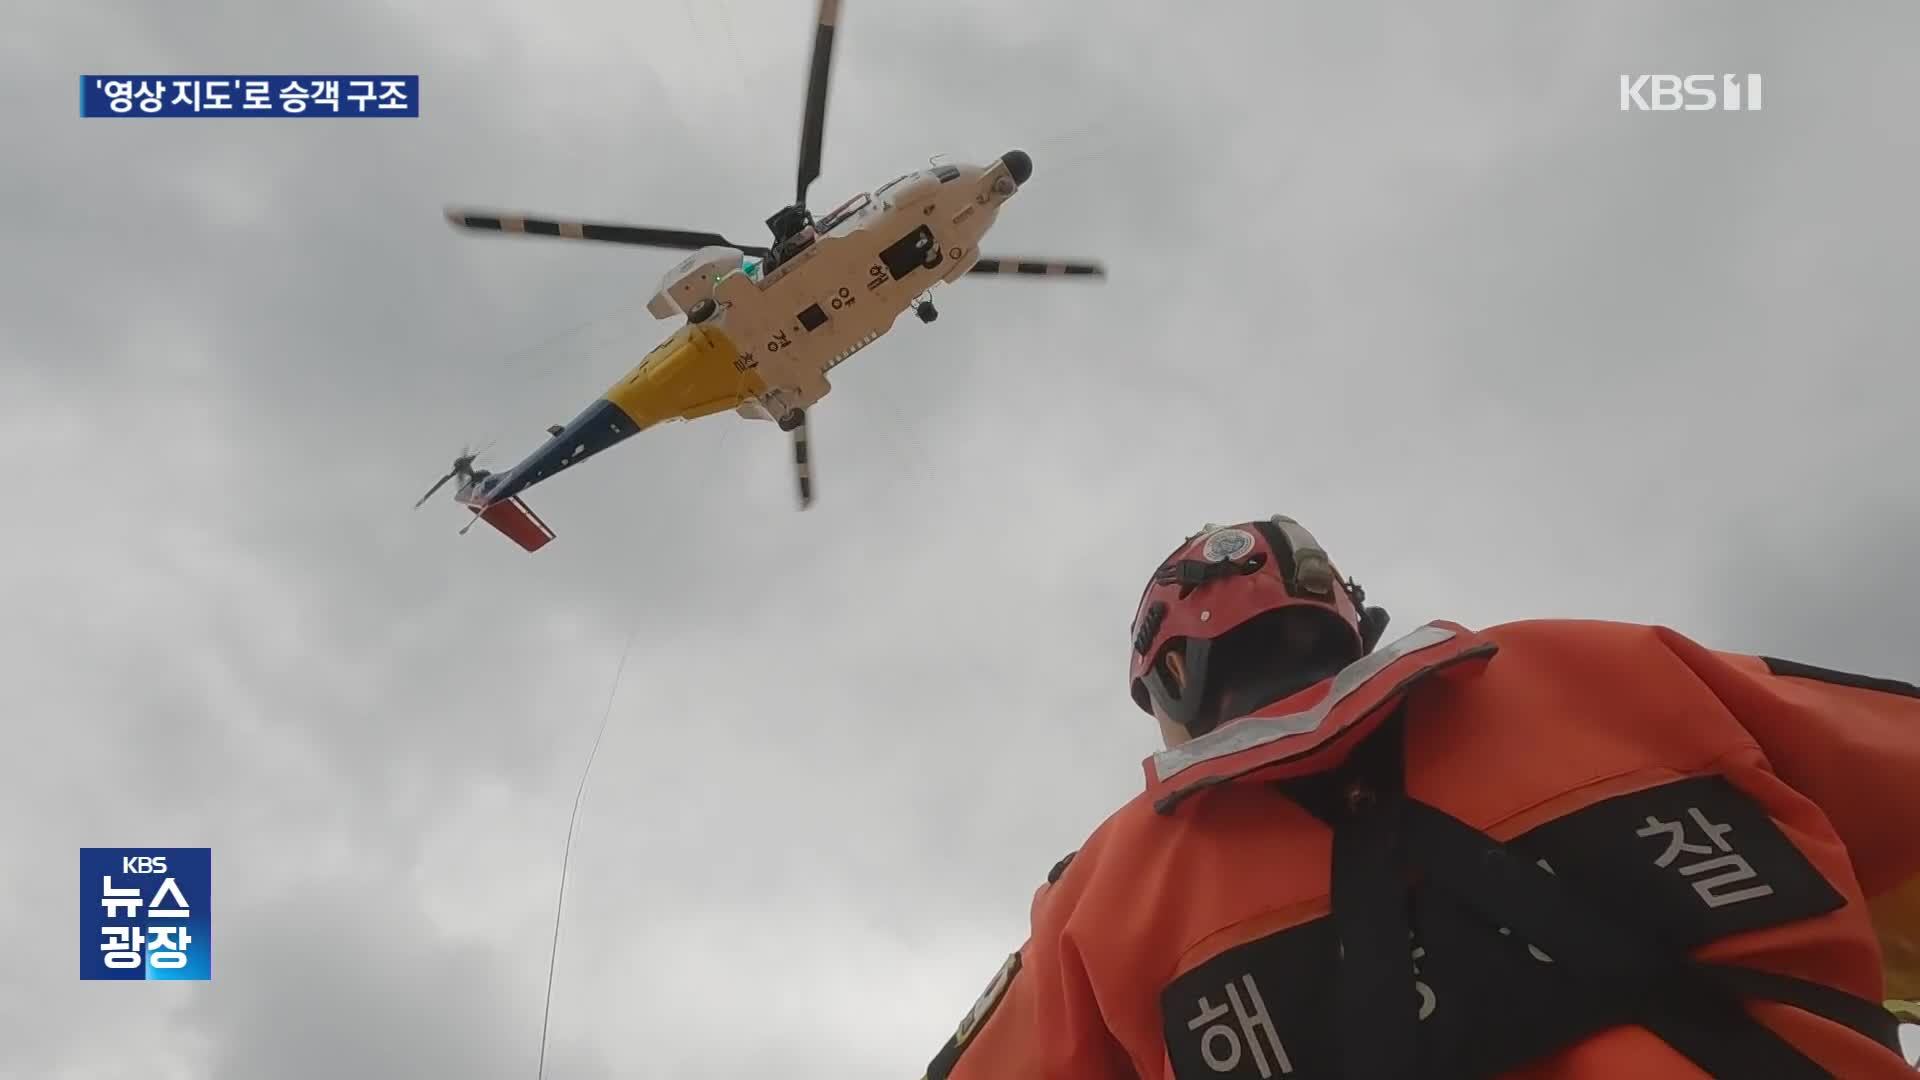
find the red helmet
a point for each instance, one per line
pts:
(1241, 616)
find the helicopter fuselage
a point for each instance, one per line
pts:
(760, 340)
(869, 261)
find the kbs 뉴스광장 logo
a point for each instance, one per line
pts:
(146, 913)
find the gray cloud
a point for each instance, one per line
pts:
(1826, 578)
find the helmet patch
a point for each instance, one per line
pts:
(1227, 545)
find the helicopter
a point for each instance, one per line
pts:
(759, 337)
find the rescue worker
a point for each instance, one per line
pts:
(1563, 849)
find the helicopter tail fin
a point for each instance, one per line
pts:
(517, 522)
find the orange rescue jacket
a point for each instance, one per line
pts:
(1605, 851)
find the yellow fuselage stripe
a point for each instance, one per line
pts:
(689, 375)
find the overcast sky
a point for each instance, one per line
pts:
(1409, 276)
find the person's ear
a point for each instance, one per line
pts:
(1175, 664)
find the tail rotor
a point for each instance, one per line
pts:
(462, 469)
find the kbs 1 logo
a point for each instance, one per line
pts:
(145, 913)
(1690, 93)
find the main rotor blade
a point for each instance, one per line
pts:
(802, 468)
(1037, 267)
(607, 232)
(813, 124)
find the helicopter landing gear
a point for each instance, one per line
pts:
(701, 311)
(791, 419)
(925, 311)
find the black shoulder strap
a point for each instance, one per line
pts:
(1381, 836)
(1370, 916)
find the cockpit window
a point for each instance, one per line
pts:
(947, 172)
(842, 212)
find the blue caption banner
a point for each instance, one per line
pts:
(249, 95)
(146, 913)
